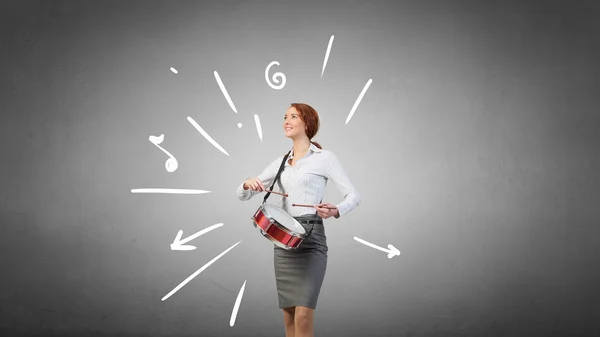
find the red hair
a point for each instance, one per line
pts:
(310, 117)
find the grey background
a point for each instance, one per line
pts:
(474, 151)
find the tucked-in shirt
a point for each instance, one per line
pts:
(305, 182)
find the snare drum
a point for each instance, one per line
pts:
(278, 226)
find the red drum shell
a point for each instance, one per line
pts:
(276, 232)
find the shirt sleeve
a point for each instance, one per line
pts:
(336, 173)
(266, 177)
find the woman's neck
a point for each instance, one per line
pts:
(301, 146)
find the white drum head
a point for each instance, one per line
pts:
(281, 216)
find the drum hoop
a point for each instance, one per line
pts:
(282, 227)
(278, 243)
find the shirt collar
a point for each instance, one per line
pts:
(312, 148)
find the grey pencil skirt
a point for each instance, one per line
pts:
(299, 273)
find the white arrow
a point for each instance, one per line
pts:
(392, 251)
(178, 244)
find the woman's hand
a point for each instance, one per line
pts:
(326, 210)
(254, 184)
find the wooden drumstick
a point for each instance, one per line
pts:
(285, 195)
(313, 206)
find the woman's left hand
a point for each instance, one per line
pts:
(326, 210)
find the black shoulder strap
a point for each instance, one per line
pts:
(277, 176)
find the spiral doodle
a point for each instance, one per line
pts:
(276, 77)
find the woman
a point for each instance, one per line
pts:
(299, 273)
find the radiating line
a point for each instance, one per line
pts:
(168, 191)
(258, 128)
(225, 93)
(236, 306)
(362, 93)
(327, 54)
(198, 272)
(209, 138)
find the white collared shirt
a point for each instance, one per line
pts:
(305, 183)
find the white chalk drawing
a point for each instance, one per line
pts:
(179, 244)
(171, 163)
(392, 251)
(209, 138)
(360, 97)
(168, 191)
(225, 93)
(327, 55)
(197, 272)
(236, 306)
(258, 128)
(275, 77)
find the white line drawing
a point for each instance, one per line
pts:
(392, 251)
(236, 306)
(362, 93)
(178, 243)
(275, 76)
(168, 191)
(225, 93)
(209, 138)
(327, 55)
(197, 272)
(171, 163)
(258, 128)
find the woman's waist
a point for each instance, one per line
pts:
(309, 219)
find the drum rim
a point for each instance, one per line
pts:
(285, 229)
(278, 243)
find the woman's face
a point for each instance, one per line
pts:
(293, 126)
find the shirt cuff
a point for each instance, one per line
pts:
(243, 194)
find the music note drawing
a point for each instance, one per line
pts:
(171, 163)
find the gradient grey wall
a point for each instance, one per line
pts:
(474, 151)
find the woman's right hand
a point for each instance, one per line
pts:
(254, 184)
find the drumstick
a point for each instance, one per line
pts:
(285, 195)
(313, 206)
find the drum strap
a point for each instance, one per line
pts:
(277, 176)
